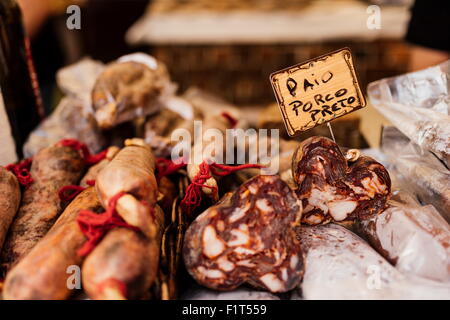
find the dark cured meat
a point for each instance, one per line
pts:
(9, 201)
(53, 168)
(42, 274)
(167, 194)
(331, 189)
(248, 238)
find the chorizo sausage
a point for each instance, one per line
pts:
(124, 264)
(9, 201)
(200, 155)
(52, 168)
(132, 171)
(42, 274)
(331, 189)
(249, 238)
(168, 193)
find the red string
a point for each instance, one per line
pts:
(22, 171)
(95, 225)
(193, 196)
(68, 193)
(232, 120)
(89, 159)
(165, 167)
(113, 283)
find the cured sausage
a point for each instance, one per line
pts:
(248, 238)
(92, 173)
(167, 194)
(340, 265)
(333, 190)
(205, 161)
(199, 155)
(52, 168)
(159, 129)
(9, 201)
(132, 171)
(42, 273)
(125, 263)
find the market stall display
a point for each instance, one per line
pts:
(140, 223)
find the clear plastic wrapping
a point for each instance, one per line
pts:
(177, 114)
(99, 97)
(416, 239)
(417, 171)
(340, 265)
(133, 86)
(418, 104)
(73, 117)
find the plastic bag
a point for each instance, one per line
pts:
(418, 104)
(416, 239)
(68, 121)
(134, 86)
(340, 265)
(417, 171)
(73, 117)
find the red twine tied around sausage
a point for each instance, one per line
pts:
(95, 225)
(22, 171)
(89, 159)
(68, 193)
(232, 120)
(165, 167)
(193, 196)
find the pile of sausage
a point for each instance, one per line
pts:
(292, 232)
(43, 243)
(252, 237)
(266, 234)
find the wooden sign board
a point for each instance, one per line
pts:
(317, 91)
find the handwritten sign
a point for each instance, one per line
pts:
(317, 91)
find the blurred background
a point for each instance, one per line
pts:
(230, 47)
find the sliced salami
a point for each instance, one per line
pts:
(248, 238)
(333, 190)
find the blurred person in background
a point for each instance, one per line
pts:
(102, 35)
(429, 32)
